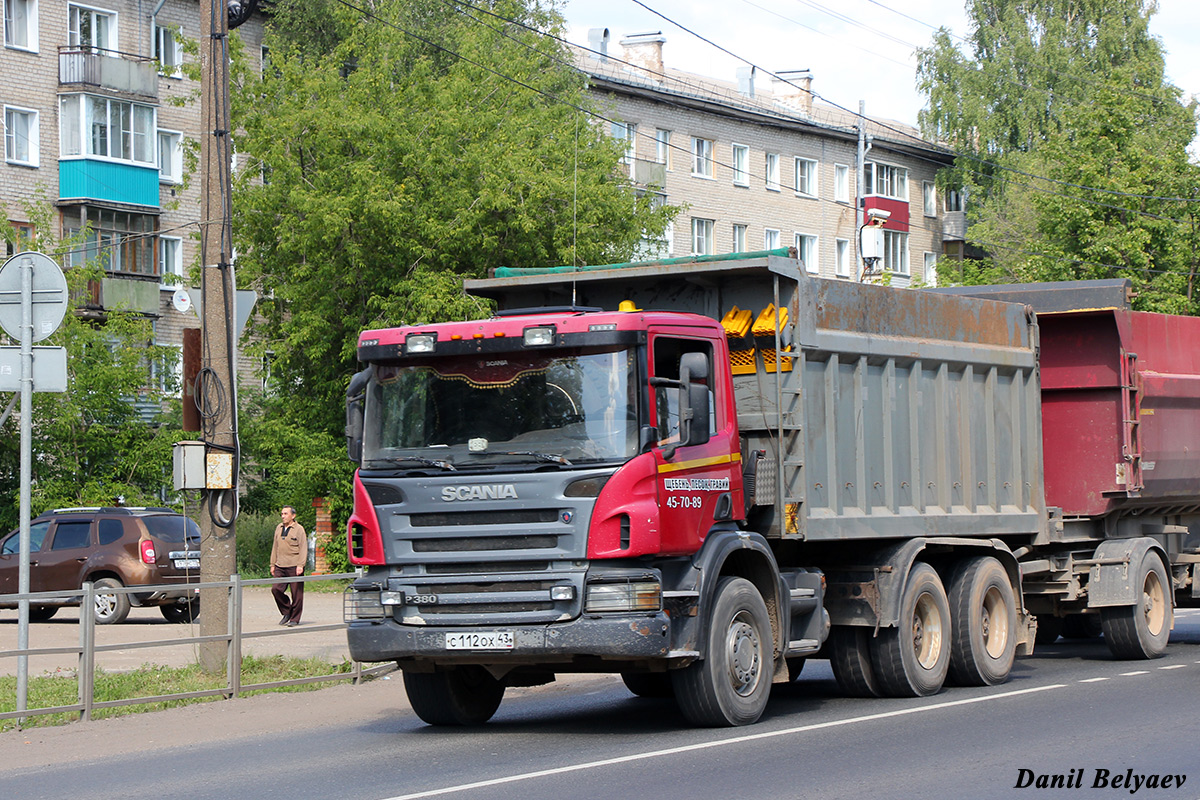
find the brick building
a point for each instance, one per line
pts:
(758, 164)
(98, 118)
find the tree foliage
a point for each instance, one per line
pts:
(103, 440)
(405, 145)
(1073, 147)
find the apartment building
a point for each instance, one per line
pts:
(99, 116)
(757, 163)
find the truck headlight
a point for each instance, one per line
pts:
(626, 596)
(362, 605)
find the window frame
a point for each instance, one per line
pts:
(165, 35)
(740, 231)
(808, 242)
(116, 241)
(174, 175)
(873, 172)
(891, 250)
(809, 176)
(702, 228)
(75, 33)
(841, 258)
(929, 268)
(929, 198)
(626, 132)
(175, 267)
(662, 147)
(841, 183)
(741, 164)
(702, 158)
(768, 235)
(32, 134)
(30, 27)
(771, 169)
(80, 141)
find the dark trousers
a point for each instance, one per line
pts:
(290, 609)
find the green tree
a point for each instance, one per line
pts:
(1073, 145)
(104, 438)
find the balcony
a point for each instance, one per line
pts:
(954, 226)
(647, 173)
(107, 69)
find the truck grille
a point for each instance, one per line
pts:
(488, 602)
(470, 544)
(524, 516)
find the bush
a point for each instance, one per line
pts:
(254, 532)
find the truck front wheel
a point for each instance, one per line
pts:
(912, 659)
(1142, 629)
(466, 695)
(731, 685)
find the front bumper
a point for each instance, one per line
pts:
(619, 637)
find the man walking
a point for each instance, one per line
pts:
(289, 554)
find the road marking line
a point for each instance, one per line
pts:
(608, 762)
(1174, 666)
(1138, 672)
(1093, 680)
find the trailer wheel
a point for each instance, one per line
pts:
(466, 695)
(1142, 629)
(731, 685)
(983, 617)
(850, 657)
(648, 684)
(912, 659)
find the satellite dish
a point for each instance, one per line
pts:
(182, 301)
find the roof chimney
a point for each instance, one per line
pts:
(598, 43)
(793, 88)
(745, 78)
(645, 50)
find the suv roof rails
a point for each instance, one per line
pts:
(107, 510)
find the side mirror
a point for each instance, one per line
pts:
(693, 374)
(355, 395)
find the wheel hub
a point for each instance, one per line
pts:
(743, 649)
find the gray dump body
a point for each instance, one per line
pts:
(904, 414)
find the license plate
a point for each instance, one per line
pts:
(480, 640)
(187, 563)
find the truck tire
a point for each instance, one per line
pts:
(730, 686)
(1142, 629)
(983, 623)
(850, 657)
(648, 684)
(913, 659)
(1082, 626)
(466, 695)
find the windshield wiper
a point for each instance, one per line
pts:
(429, 462)
(550, 457)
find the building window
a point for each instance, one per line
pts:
(170, 262)
(841, 254)
(702, 237)
(662, 147)
(773, 172)
(170, 157)
(806, 177)
(741, 165)
(20, 136)
(841, 183)
(702, 157)
(168, 51)
(121, 241)
(954, 200)
(169, 374)
(91, 28)
(895, 252)
(806, 251)
(739, 238)
(23, 234)
(886, 181)
(108, 128)
(929, 275)
(929, 197)
(770, 239)
(20, 24)
(626, 132)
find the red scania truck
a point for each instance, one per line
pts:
(698, 474)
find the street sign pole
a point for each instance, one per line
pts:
(26, 478)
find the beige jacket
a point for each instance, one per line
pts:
(290, 550)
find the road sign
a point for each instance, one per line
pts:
(49, 369)
(49, 297)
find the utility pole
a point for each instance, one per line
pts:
(216, 385)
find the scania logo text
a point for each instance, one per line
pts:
(502, 491)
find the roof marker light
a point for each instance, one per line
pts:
(540, 336)
(420, 342)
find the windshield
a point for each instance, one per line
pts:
(475, 410)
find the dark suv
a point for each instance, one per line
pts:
(112, 548)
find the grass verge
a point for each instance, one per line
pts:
(149, 680)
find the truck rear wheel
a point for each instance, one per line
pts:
(850, 657)
(1142, 629)
(913, 659)
(731, 685)
(983, 616)
(466, 695)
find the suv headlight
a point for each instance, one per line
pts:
(639, 595)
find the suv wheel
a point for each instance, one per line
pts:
(111, 607)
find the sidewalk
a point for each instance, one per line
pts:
(147, 624)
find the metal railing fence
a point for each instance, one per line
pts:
(234, 636)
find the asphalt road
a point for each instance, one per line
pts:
(1069, 710)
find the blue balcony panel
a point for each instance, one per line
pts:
(88, 179)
